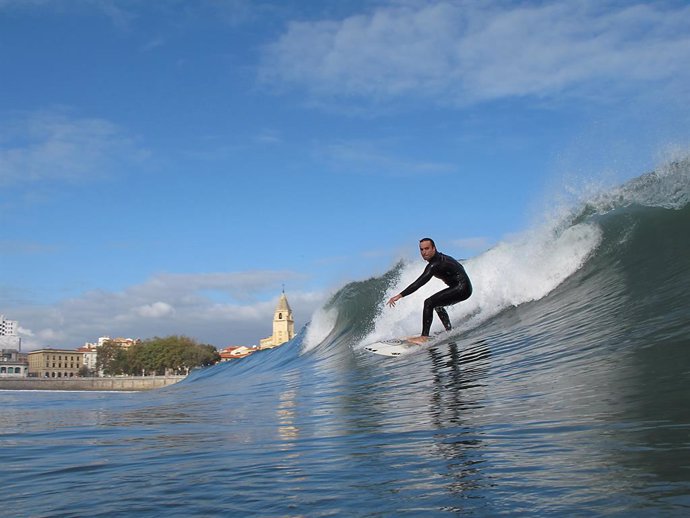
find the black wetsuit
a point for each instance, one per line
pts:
(459, 288)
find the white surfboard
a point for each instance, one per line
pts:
(392, 347)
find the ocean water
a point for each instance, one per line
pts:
(563, 390)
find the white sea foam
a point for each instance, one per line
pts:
(522, 269)
(321, 324)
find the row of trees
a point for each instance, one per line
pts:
(172, 354)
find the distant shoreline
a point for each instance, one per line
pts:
(118, 384)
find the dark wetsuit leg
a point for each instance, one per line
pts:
(446, 297)
(443, 316)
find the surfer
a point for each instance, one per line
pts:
(451, 272)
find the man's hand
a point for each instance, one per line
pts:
(394, 299)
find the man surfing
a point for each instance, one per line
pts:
(451, 272)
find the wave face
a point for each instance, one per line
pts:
(564, 388)
(626, 233)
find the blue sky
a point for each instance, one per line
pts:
(166, 166)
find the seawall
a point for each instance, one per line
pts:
(128, 383)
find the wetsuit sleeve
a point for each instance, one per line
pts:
(427, 274)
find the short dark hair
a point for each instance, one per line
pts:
(428, 239)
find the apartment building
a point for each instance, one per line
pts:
(55, 363)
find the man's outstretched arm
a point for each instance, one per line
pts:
(421, 281)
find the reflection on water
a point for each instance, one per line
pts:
(285, 417)
(539, 419)
(458, 391)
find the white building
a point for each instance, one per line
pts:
(9, 339)
(8, 327)
(90, 352)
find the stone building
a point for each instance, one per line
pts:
(283, 325)
(55, 363)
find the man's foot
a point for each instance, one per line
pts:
(419, 340)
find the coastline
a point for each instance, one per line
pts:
(116, 384)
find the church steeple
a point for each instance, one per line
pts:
(283, 324)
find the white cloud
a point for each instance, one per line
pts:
(472, 244)
(155, 310)
(48, 335)
(373, 157)
(169, 304)
(51, 146)
(466, 52)
(24, 331)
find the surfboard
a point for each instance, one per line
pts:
(392, 347)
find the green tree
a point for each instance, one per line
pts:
(111, 358)
(176, 354)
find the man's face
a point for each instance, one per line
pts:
(427, 250)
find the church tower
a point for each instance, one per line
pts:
(283, 325)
